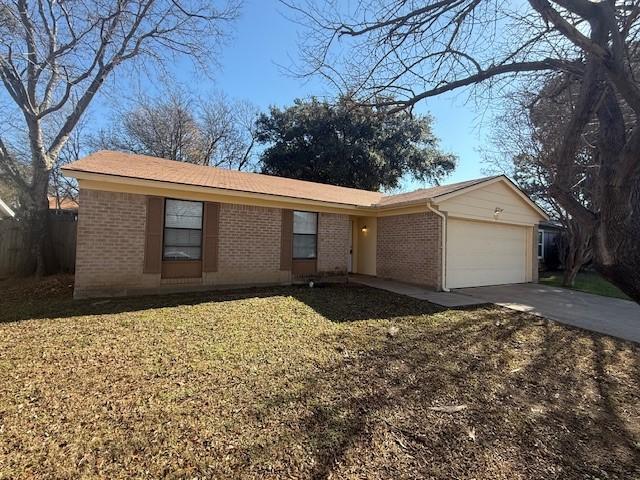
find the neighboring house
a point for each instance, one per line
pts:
(63, 203)
(150, 225)
(549, 234)
(5, 211)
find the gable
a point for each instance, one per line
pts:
(480, 203)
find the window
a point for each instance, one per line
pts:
(182, 230)
(540, 244)
(305, 235)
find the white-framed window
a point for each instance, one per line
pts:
(305, 235)
(182, 230)
(540, 243)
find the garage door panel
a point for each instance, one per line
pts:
(482, 253)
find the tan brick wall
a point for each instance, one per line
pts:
(333, 243)
(111, 239)
(110, 244)
(409, 248)
(249, 246)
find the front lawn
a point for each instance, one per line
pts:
(590, 282)
(306, 383)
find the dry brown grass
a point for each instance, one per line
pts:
(306, 383)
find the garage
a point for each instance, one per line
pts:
(482, 253)
(490, 230)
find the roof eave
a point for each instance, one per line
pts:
(111, 178)
(408, 203)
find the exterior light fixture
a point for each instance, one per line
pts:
(497, 212)
(364, 229)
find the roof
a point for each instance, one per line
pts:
(129, 165)
(152, 168)
(551, 224)
(5, 210)
(65, 203)
(430, 193)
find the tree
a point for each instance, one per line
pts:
(7, 193)
(61, 186)
(349, 145)
(417, 50)
(523, 137)
(216, 132)
(55, 56)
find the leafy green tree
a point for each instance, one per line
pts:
(350, 145)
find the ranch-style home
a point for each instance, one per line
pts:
(151, 225)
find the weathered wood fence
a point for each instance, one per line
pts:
(12, 252)
(15, 256)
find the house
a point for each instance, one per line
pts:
(64, 203)
(5, 211)
(549, 237)
(63, 208)
(153, 225)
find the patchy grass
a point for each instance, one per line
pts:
(590, 282)
(306, 383)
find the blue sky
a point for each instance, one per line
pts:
(263, 40)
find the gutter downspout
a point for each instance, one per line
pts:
(444, 245)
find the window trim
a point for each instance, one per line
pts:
(164, 228)
(293, 236)
(540, 244)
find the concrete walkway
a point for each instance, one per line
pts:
(612, 316)
(445, 299)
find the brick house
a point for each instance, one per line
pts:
(150, 225)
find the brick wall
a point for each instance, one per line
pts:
(333, 243)
(249, 245)
(409, 248)
(110, 243)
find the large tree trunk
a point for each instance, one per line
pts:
(38, 216)
(617, 241)
(617, 228)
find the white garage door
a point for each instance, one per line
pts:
(482, 253)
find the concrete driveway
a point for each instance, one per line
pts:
(619, 318)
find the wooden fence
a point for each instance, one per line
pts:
(13, 259)
(63, 227)
(15, 256)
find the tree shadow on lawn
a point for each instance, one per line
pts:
(336, 302)
(542, 401)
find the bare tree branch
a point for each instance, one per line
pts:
(548, 64)
(56, 55)
(396, 54)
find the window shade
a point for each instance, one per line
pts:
(183, 214)
(182, 230)
(305, 223)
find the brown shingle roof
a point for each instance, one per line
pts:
(151, 168)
